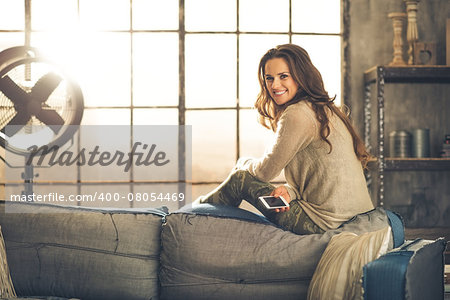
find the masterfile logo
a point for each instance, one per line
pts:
(95, 157)
(150, 163)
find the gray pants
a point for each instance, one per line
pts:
(240, 185)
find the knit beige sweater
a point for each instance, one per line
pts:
(331, 187)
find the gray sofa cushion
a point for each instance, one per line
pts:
(39, 298)
(209, 252)
(84, 253)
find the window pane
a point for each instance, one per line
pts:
(44, 18)
(264, 15)
(155, 14)
(55, 172)
(157, 116)
(213, 144)
(11, 39)
(100, 138)
(106, 70)
(254, 137)
(325, 53)
(151, 142)
(100, 62)
(210, 70)
(59, 47)
(207, 15)
(105, 14)
(102, 116)
(12, 15)
(310, 16)
(251, 48)
(155, 69)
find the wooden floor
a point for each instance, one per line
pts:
(428, 233)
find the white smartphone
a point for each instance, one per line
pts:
(271, 202)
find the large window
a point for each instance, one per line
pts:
(178, 62)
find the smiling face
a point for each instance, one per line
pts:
(279, 81)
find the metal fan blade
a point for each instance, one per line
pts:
(51, 118)
(19, 120)
(45, 86)
(13, 91)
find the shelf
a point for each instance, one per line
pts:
(382, 75)
(428, 233)
(409, 74)
(415, 164)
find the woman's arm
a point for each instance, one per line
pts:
(297, 128)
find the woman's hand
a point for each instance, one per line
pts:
(283, 192)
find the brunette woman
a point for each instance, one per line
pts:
(316, 146)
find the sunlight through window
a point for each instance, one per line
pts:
(155, 14)
(99, 61)
(12, 15)
(211, 70)
(264, 15)
(105, 14)
(155, 69)
(310, 16)
(207, 15)
(65, 20)
(126, 57)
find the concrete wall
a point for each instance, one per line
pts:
(370, 37)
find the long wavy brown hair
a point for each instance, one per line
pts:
(311, 89)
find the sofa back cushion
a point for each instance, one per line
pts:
(84, 253)
(213, 252)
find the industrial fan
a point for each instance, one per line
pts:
(38, 102)
(39, 106)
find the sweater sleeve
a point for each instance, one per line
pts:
(296, 129)
(293, 194)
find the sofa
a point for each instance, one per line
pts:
(202, 252)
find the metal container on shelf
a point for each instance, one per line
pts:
(400, 143)
(445, 153)
(420, 142)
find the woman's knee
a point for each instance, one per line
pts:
(240, 174)
(296, 220)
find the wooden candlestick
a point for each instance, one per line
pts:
(397, 23)
(412, 34)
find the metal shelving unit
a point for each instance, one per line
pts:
(381, 75)
(414, 164)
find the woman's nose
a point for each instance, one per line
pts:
(275, 83)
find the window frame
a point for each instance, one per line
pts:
(182, 33)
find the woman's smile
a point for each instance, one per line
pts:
(278, 93)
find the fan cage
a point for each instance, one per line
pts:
(66, 99)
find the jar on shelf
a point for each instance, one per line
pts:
(400, 143)
(420, 142)
(445, 153)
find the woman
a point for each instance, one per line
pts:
(316, 145)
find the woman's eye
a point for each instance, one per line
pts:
(284, 76)
(269, 78)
